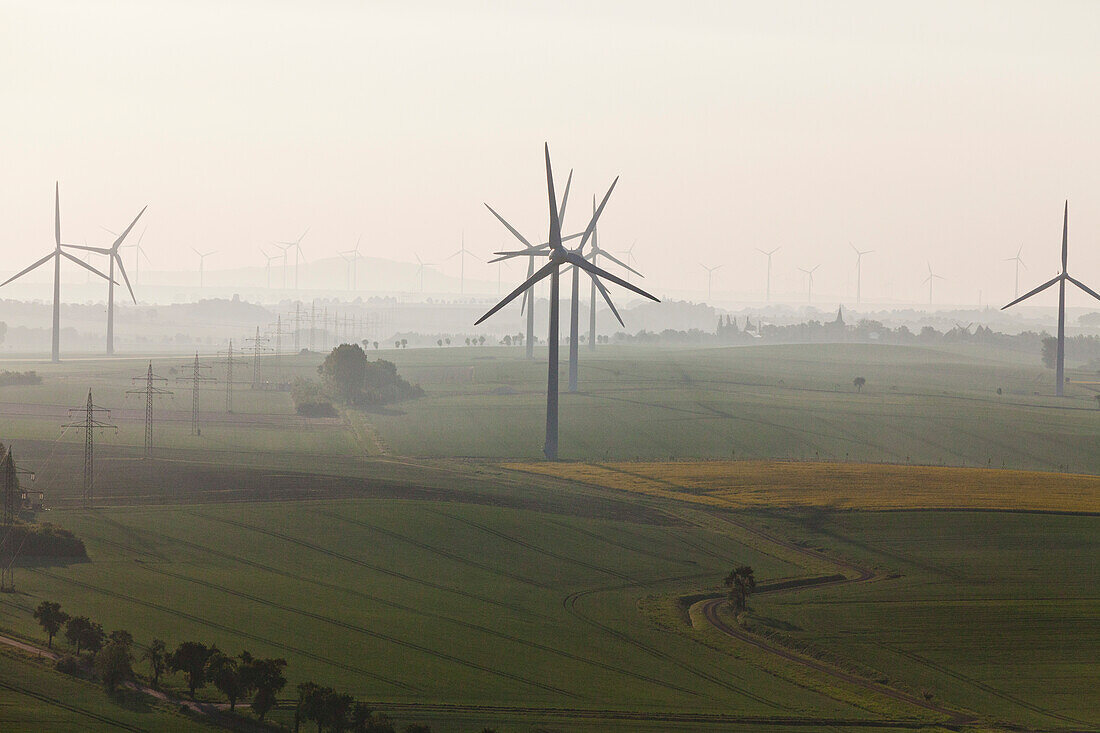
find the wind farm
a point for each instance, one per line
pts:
(650, 450)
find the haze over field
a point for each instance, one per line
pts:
(947, 133)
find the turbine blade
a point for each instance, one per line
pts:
(1081, 285)
(555, 225)
(508, 226)
(617, 261)
(540, 274)
(127, 229)
(595, 217)
(97, 250)
(1065, 236)
(118, 259)
(21, 273)
(607, 298)
(1039, 289)
(565, 198)
(575, 259)
(86, 266)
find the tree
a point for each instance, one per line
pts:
(265, 676)
(83, 633)
(190, 658)
(1097, 398)
(50, 617)
(113, 665)
(1050, 352)
(741, 583)
(343, 370)
(223, 671)
(404, 343)
(858, 383)
(439, 342)
(311, 700)
(157, 656)
(121, 636)
(376, 346)
(481, 340)
(335, 709)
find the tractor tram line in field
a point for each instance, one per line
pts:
(439, 618)
(114, 723)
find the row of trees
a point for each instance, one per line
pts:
(112, 659)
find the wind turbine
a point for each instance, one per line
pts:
(56, 255)
(558, 255)
(114, 256)
(138, 254)
(1060, 370)
(270, 259)
(859, 267)
(202, 259)
(710, 275)
(1018, 261)
(810, 282)
(421, 265)
(351, 256)
(531, 251)
(932, 277)
(630, 259)
(768, 282)
(296, 245)
(461, 255)
(591, 257)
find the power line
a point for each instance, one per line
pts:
(90, 425)
(196, 380)
(150, 390)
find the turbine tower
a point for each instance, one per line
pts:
(1060, 370)
(558, 255)
(810, 282)
(768, 282)
(296, 245)
(115, 257)
(56, 255)
(202, 260)
(462, 254)
(859, 267)
(932, 277)
(710, 276)
(352, 256)
(1018, 261)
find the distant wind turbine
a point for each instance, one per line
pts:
(270, 259)
(1019, 262)
(462, 254)
(115, 257)
(631, 260)
(768, 282)
(558, 256)
(859, 267)
(593, 253)
(299, 257)
(139, 252)
(56, 255)
(1060, 370)
(351, 256)
(421, 265)
(710, 276)
(202, 260)
(810, 282)
(932, 277)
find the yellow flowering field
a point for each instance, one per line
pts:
(749, 484)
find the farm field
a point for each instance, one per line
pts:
(840, 486)
(919, 406)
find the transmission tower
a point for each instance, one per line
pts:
(196, 379)
(90, 425)
(228, 361)
(312, 322)
(275, 367)
(150, 390)
(258, 347)
(297, 326)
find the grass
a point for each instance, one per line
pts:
(868, 487)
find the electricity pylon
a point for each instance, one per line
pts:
(196, 379)
(90, 425)
(228, 361)
(150, 390)
(258, 347)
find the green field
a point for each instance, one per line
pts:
(388, 554)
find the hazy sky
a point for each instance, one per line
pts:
(943, 132)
